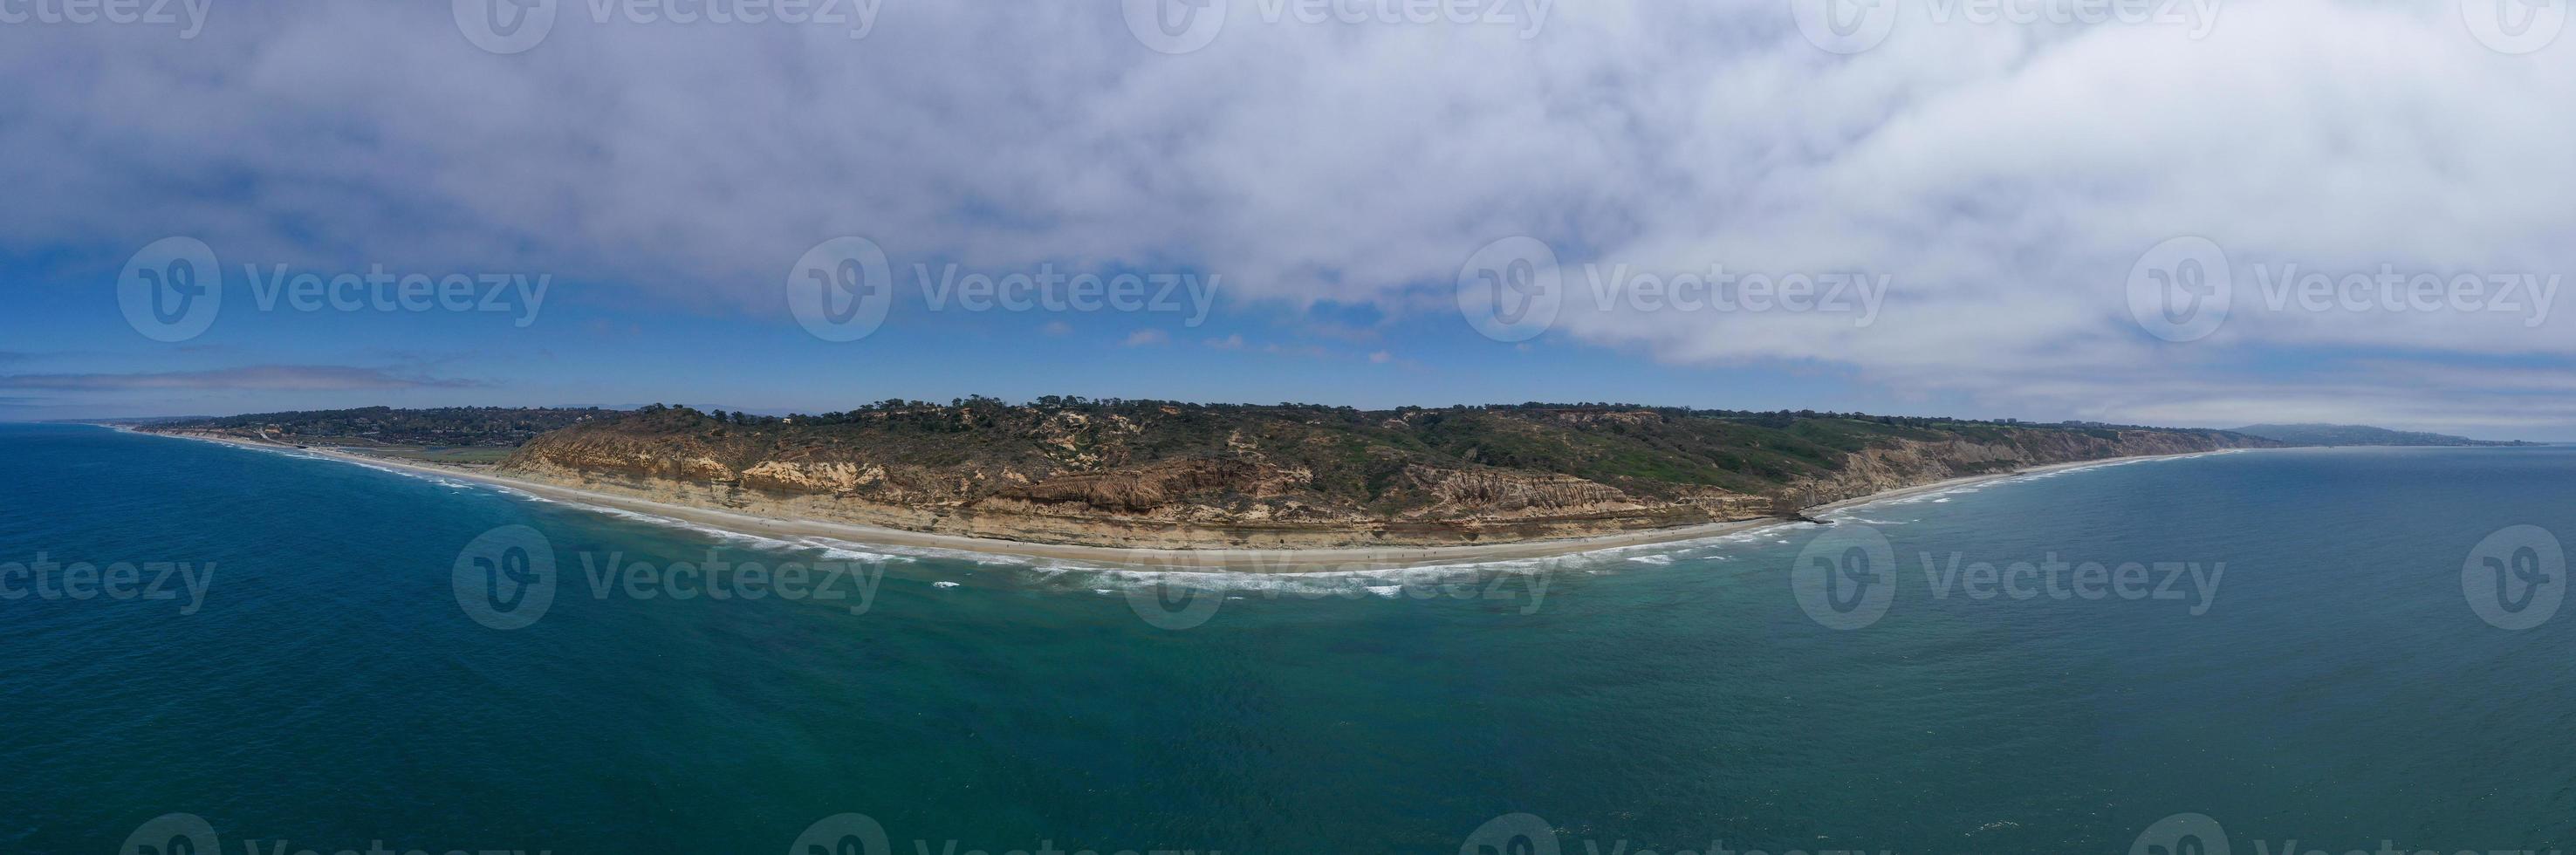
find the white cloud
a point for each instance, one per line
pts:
(2005, 177)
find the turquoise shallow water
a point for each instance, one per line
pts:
(2336, 688)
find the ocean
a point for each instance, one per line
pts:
(2251, 653)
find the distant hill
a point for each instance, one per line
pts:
(2313, 434)
(130, 421)
(486, 427)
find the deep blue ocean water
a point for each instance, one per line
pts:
(2334, 685)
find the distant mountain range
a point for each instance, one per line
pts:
(2313, 434)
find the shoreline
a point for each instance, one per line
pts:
(1250, 561)
(1970, 480)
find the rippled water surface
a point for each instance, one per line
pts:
(337, 683)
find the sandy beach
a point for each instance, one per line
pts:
(1239, 560)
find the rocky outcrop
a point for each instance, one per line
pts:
(1455, 492)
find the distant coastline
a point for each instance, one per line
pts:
(1226, 559)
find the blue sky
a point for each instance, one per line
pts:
(589, 344)
(2122, 217)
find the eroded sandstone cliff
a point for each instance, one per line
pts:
(1155, 474)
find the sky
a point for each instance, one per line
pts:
(2178, 212)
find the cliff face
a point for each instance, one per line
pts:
(1233, 500)
(1912, 464)
(1178, 477)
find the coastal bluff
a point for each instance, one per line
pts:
(1167, 475)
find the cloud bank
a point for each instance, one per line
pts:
(2002, 178)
